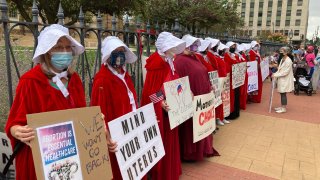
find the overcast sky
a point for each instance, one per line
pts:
(314, 17)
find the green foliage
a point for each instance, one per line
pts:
(208, 14)
(48, 9)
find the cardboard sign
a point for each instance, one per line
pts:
(238, 74)
(204, 116)
(5, 154)
(179, 99)
(70, 144)
(139, 141)
(225, 96)
(252, 76)
(265, 71)
(216, 86)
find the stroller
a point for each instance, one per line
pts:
(302, 82)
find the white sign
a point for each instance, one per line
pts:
(5, 154)
(214, 79)
(204, 116)
(264, 66)
(225, 96)
(238, 74)
(179, 99)
(252, 76)
(139, 142)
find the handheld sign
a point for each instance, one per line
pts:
(204, 116)
(225, 96)
(252, 76)
(216, 86)
(179, 99)
(5, 154)
(139, 142)
(238, 74)
(70, 144)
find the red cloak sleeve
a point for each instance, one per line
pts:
(34, 94)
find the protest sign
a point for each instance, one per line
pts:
(264, 66)
(238, 74)
(62, 136)
(139, 142)
(204, 116)
(225, 96)
(214, 79)
(179, 99)
(5, 154)
(252, 76)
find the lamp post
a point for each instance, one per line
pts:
(290, 37)
(301, 38)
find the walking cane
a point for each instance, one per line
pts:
(271, 96)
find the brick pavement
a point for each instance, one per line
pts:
(262, 145)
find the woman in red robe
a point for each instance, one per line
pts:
(160, 69)
(255, 56)
(217, 61)
(230, 59)
(113, 89)
(187, 64)
(241, 51)
(51, 85)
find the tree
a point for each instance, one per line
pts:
(48, 8)
(207, 14)
(278, 37)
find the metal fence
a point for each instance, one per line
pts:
(140, 39)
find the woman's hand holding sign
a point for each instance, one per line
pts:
(23, 133)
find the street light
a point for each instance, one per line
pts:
(290, 37)
(301, 38)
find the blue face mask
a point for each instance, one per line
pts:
(117, 59)
(61, 60)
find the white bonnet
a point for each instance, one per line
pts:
(49, 37)
(230, 43)
(254, 43)
(166, 41)
(190, 40)
(204, 45)
(222, 47)
(111, 43)
(214, 42)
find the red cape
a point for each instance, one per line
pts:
(244, 88)
(159, 72)
(34, 94)
(110, 93)
(256, 97)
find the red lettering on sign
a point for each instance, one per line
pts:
(206, 116)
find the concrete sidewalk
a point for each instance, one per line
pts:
(262, 145)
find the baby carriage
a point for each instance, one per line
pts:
(302, 82)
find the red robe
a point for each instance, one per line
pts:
(34, 94)
(229, 62)
(256, 96)
(111, 94)
(244, 88)
(220, 65)
(188, 65)
(159, 72)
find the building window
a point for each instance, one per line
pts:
(13, 13)
(243, 14)
(287, 22)
(298, 22)
(276, 31)
(289, 3)
(288, 13)
(300, 2)
(299, 12)
(243, 5)
(251, 14)
(286, 32)
(279, 13)
(250, 23)
(296, 33)
(270, 3)
(269, 13)
(250, 33)
(260, 14)
(260, 4)
(277, 22)
(259, 23)
(268, 23)
(252, 5)
(279, 3)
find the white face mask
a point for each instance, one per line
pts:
(256, 48)
(169, 54)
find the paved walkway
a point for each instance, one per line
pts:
(262, 145)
